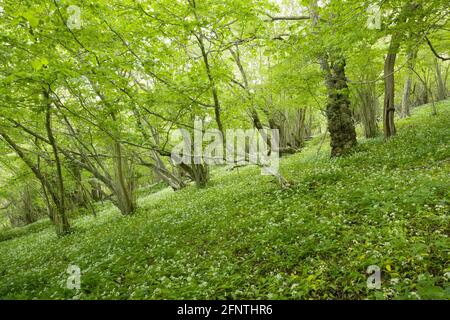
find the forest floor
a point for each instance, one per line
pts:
(242, 237)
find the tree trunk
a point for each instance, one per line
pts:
(339, 116)
(389, 90)
(63, 226)
(442, 90)
(79, 198)
(199, 173)
(50, 210)
(309, 126)
(291, 126)
(124, 189)
(433, 104)
(174, 180)
(39, 175)
(407, 12)
(27, 203)
(406, 100)
(159, 168)
(368, 109)
(252, 111)
(340, 122)
(97, 193)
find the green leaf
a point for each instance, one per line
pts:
(31, 18)
(39, 63)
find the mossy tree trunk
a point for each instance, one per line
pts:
(340, 122)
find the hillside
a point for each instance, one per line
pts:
(242, 237)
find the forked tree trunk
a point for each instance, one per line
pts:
(122, 187)
(174, 180)
(199, 173)
(60, 219)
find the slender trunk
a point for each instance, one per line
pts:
(81, 194)
(63, 223)
(256, 120)
(406, 103)
(406, 100)
(368, 109)
(407, 12)
(291, 127)
(97, 193)
(212, 82)
(442, 90)
(308, 128)
(122, 189)
(28, 209)
(78, 196)
(446, 76)
(125, 201)
(159, 168)
(50, 210)
(389, 88)
(38, 174)
(433, 104)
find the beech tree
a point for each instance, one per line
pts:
(92, 93)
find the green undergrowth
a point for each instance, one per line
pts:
(387, 204)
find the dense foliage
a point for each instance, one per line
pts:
(313, 241)
(95, 97)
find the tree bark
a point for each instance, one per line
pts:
(212, 80)
(389, 72)
(442, 90)
(124, 189)
(389, 88)
(199, 173)
(340, 122)
(62, 223)
(256, 120)
(28, 210)
(406, 100)
(368, 109)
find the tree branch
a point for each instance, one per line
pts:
(434, 51)
(288, 18)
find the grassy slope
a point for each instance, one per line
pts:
(242, 237)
